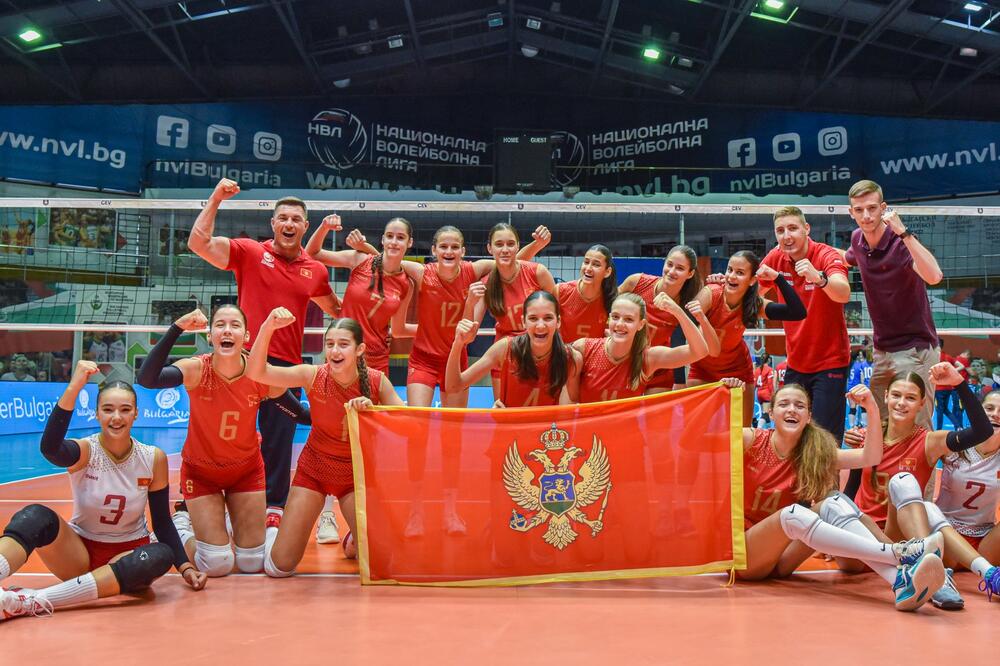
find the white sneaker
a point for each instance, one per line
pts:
(15, 602)
(326, 531)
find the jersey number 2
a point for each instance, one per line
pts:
(980, 489)
(115, 513)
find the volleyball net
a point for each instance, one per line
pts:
(102, 278)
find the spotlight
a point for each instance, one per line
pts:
(341, 83)
(533, 24)
(675, 90)
(494, 20)
(396, 41)
(968, 52)
(774, 4)
(529, 51)
(972, 7)
(30, 35)
(651, 53)
(683, 61)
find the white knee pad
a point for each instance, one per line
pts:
(250, 560)
(935, 518)
(904, 490)
(273, 571)
(214, 560)
(798, 521)
(839, 510)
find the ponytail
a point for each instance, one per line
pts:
(494, 285)
(377, 273)
(348, 324)
(752, 303)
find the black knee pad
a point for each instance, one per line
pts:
(137, 570)
(33, 526)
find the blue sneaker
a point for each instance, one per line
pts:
(990, 584)
(948, 598)
(908, 552)
(915, 583)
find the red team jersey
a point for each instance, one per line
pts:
(580, 318)
(517, 392)
(660, 326)
(763, 378)
(329, 418)
(265, 280)
(600, 379)
(768, 481)
(734, 358)
(223, 426)
(374, 311)
(907, 455)
(818, 342)
(514, 293)
(440, 305)
(779, 373)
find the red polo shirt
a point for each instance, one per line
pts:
(818, 342)
(265, 280)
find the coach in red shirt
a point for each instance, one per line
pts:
(274, 273)
(819, 353)
(895, 271)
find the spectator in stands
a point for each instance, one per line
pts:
(19, 370)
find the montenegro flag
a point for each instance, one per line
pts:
(647, 486)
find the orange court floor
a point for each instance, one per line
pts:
(323, 615)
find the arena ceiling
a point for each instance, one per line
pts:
(899, 57)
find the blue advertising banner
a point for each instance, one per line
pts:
(24, 406)
(638, 149)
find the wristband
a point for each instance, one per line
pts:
(906, 234)
(824, 280)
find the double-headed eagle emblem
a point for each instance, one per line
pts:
(558, 498)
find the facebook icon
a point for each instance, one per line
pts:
(742, 153)
(172, 131)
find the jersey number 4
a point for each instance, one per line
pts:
(115, 514)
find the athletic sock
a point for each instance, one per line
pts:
(5, 567)
(182, 523)
(74, 591)
(329, 503)
(980, 566)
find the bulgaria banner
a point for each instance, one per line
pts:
(639, 487)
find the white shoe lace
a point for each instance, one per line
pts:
(14, 603)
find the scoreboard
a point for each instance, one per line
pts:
(522, 161)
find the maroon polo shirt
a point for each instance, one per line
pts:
(896, 295)
(265, 280)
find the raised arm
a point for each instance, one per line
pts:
(942, 442)
(153, 374)
(341, 258)
(477, 294)
(628, 286)
(834, 285)
(924, 262)
(703, 301)
(542, 237)
(545, 281)
(398, 325)
(456, 379)
(259, 370)
(54, 446)
(871, 453)
(658, 358)
(201, 241)
(792, 309)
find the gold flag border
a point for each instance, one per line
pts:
(738, 562)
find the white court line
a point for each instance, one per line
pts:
(43, 476)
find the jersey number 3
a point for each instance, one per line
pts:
(117, 512)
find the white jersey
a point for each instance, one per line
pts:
(970, 492)
(109, 498)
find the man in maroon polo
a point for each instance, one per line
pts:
(274, 273)
(895, 271)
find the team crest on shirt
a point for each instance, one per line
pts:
(560, 496)
(908, 464)
(267, 259)
(253, 400)
(306, 273)
(143, 482)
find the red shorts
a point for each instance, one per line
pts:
(428, 369)
(101, 552)
(238, 477)
(708, 376)
(323, 473)
(378, 362)
(973, 541)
